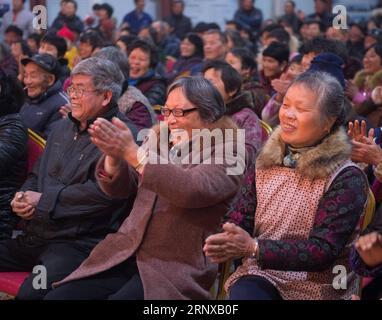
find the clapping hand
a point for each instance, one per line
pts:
(234, 242)
(364, 148)
(115, 140)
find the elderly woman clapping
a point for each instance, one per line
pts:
(308, 198)
(179, 203)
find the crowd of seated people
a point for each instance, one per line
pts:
(174, 149)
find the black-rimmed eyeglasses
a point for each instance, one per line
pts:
(177, 112)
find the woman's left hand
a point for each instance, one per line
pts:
(369, 248)
(234, 242)
(114, 139)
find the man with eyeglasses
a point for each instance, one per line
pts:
(65, 212)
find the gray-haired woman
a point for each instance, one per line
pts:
(305, 199)
(179, 203)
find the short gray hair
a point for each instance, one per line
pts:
(203, 95)
(330, 95)
(115, 55)
(105, 75)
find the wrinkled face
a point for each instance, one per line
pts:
(271, 67)
(191, 120)
(91, 104)
(187, 48)
(36, 80)
(139, 62)
(371, 62)
(48, 48)
(300, 119)
(215, 77)
(85, 50)
(214, 48)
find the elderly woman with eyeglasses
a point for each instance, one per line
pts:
(184, 191)
(305, 197)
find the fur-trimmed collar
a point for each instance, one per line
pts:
(363, 82)
(318, 162)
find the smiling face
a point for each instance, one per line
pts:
(48, 48)
(371, 62)
(300, 118)
(214, 48)
(36, 80)
(271, 67)
(139, 62)
(191, 120)
(85, 50)
(187, 48)
(91, 104)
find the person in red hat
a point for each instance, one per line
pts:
(72, 51)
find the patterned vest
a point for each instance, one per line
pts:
(287, 202)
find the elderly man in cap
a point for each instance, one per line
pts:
(65, 211)
(44, 93)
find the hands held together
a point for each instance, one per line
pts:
(24, 204)
(234, 242)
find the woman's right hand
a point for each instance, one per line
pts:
(115, 140)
